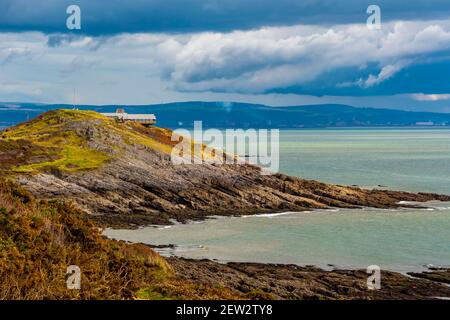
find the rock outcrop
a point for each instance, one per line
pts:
(275, 281)
(130, 179)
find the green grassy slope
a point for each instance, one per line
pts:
(53, 140)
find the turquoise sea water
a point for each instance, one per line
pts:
(401, 240)
(413, 160)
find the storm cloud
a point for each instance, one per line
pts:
(106, 17)
(151, 51)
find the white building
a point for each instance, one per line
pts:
(122, 116)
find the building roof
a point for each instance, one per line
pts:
(127, 116)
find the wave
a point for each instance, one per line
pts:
(271, 215)
(164, 227)
(408, 202)
(332, 210)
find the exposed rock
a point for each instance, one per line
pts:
(438, 274)
(132, 182)
(139, 184)
(312, 283)
(137, 191)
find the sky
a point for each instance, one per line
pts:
(284, 52)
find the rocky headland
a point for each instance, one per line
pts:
(121, 175)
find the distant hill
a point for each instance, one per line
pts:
(243, 115)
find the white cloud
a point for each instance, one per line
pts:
(236, 62)
(255, 61)
(430, 97)
(386, 72)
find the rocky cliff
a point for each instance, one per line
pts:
(122, 175)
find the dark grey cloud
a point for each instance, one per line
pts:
(105, 17)
(109, 63)
(425, 78)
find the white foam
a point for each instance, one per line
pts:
(441, 208)
(408, 202)
(164, 227)
(271, 215)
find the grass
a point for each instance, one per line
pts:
(132, 136)
(72, 158)
(154, 293)
(54, 140)
(54, 134)
(49, 134)
(39, 239)
(182, 290)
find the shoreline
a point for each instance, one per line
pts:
(175, 249)
(163, 249)
(135, 221)
(278, 281)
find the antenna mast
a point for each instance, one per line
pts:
(74, 99)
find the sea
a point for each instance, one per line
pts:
(401, 240)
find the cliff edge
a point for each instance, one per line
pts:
(122, 175)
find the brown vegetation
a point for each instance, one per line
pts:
(40, 239)
(84, 167)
